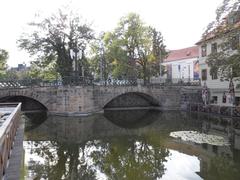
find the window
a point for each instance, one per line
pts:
(214, 48)
(233, 17)
(237, 101)
(204, 50)
(224, 98)
(214, 99)
(214, 74)
(215, 149)
(204, 74)
(234, 43)
(231, 20)
(235, 71)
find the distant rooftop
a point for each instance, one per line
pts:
(186, 53)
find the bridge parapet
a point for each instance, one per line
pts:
(86, 81)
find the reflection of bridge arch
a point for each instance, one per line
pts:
(28, 103)
(131, 99)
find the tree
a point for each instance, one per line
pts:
(39, 71)
(226, 27)
(159, 52)
(3, 61)
(143, 46)
(133, 50)
(60, 37)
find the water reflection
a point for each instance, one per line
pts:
(33, 120)
(115, 158)
(132, 118)
(97, 148)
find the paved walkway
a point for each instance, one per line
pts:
(13, 170)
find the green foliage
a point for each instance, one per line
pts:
(47, 73)
(221, 168)
(228, 7)
(10, 75)
(54, 38)
(132, 50)
(228, 66)
(3, 62)
(226, 61)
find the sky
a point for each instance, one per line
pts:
(181, 22)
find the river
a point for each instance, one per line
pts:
(132, 145)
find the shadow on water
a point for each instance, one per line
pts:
(132, 118)
(33, 120)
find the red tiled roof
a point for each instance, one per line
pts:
(186, 53)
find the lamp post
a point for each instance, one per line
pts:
(102, 62)
(76, 62)
(74, 53)
(231, 92)
(82, 58)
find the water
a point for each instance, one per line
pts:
(132, 145)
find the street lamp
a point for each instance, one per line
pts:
(102, 61)
(74, 53)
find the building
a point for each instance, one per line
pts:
(218, 88)
(20, 68)
(182, 64)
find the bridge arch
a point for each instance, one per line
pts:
(131, 99)
(28, 103)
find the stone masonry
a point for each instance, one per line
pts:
(90, 99)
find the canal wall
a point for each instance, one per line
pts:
(231, 111)
(191, 100)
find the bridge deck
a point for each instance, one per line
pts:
(13, 169)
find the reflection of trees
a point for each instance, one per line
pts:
(125, 158)
(222, 168)
(117, 158)
(61, 161)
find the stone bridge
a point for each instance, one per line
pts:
(89, 99)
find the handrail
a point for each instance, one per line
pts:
(25, 83)
(7, 133)
(86, 81)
